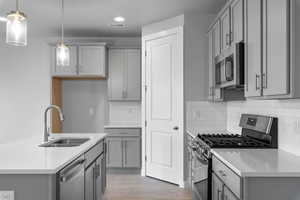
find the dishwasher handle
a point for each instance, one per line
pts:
(72, 170)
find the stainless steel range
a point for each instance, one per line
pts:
(258, 132)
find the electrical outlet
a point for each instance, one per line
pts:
(91, 111)
(197, 115)
(7, 195)
(131, 110)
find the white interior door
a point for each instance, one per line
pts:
(164, 107)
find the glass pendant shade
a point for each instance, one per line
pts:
(62, 55)
(16, 29)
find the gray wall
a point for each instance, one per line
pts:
(85, 106)
(24, 89)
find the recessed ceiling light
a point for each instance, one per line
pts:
(119, 19)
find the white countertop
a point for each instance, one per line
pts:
(123, 125)
(260, 162)
(26, 157)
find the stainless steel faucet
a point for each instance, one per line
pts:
(61, 117)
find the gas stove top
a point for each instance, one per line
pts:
(257, 132)
(231, 141)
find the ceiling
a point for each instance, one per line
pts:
(92, 18)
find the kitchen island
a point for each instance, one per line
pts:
(255, 174)
(31, 172)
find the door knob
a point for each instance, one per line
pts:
(175, 128)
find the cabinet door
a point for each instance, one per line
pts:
(253, 48)
(114, 152)
(116, 62)
(228, 195)
(133, 74)
(89, 182)
(237, 21)
(225, 30)
(98, 180)
(132, 155)
(92, 61)
(216, 39)
(217, 188)
(103, 170)
(276, 47)
(70, 70)
(210, 65)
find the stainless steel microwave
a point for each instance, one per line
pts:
(230, 67)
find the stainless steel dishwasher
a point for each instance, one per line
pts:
(71, 181)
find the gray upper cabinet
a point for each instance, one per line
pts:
(215, 94)
(276, 48)
(268, 49)
(86, 60)
(92, 61)
(133, 76)
(225, 29)
(253, 48)
(216, 39)
(237, 21)
(58, 70)
(124, 75)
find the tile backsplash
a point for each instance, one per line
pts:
(124, 112)
(287, 111)
(205, 116)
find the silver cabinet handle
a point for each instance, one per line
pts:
(257, 85)
(219, 191)
(222, 173)
(264, 79)
(227, 39)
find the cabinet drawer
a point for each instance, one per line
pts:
(117, 132)
(93, 153)
(232, 180)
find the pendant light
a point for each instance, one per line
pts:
(16, 27)
(62, 51)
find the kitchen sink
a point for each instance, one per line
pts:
(65, 142)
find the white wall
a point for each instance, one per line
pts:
(24, 89)
(288, 112)
(206, 116)
(125, 113)
(85, 106)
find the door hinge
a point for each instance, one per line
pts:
(146, 88)
(145, 158)
(146, 53)
(145, 123)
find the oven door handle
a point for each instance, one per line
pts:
(201, 159)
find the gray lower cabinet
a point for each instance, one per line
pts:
(98, 179)
(220, 191)
(114, 152)
(89, 182)
(123, 152)
(217, 187)
(228, 195)
(94, 176)
(131, 152)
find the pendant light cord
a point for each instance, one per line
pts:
(62, 20)
(17, 5)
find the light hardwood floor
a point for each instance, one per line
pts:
(135, 187)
